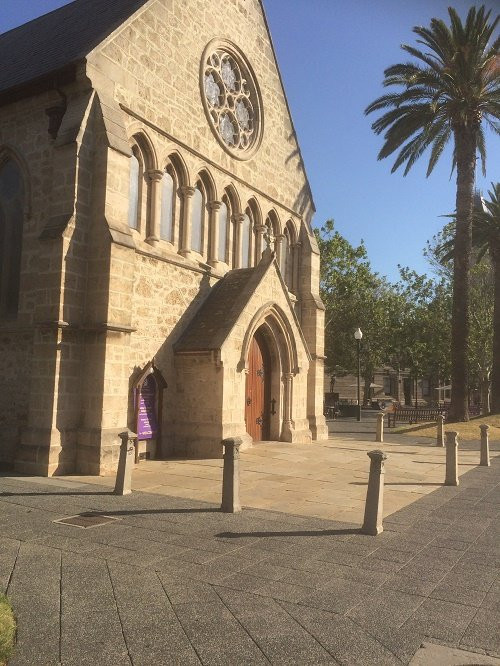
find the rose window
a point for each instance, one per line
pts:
(231, 100)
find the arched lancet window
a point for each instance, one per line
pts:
(273, 228)
(223, 231)
(135, 190)
(246, 240)
(168, 197)
(11, 235)
(140, 216)
(288, 259)
(197, 219)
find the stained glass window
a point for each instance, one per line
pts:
(197, 221)
(134, 189)
(223, 229)
(246, 231)
(167, 206)
(231, 100)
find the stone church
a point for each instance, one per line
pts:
(158, 271)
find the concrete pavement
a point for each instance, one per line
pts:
(173, 581)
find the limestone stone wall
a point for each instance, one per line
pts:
(100, 300)
(24, 137)
(153, 66)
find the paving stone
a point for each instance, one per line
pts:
(34, 594)
(441, 619)
(484, 631)
(279, 636)
(267, 570)
(430, 653)
(404, 583)
(387, 608)
(92, 637)
(474, 576)
(153, 633)
(9, 549)
(277, 589)
(181, 590)
(217, 636)
(492, 598)
(444, 555)
(245, 583)
(337, 595)
(309, 579)
(342, 638)
(426, 568)
(459, 594)
(393, 555)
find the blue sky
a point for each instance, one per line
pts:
(332, 54)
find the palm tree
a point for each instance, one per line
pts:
(451, 91)
(486, 238)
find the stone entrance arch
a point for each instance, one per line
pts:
(271, 331)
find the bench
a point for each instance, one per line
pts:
(413, 415)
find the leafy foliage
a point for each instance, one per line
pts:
(455, 82)
(450, 89)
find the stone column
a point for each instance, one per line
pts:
(380, 428)
(237, 220)
(485, 445)
(287, 405)
(231, 475)
(213, 225)
(123, 485)
(186, 193)
(440, 430)
(155, 176)
(451, 458)
(374, 507)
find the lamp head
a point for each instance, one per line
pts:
(358, 334)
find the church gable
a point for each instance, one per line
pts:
(205, 76)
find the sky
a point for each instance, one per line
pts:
(332, 55)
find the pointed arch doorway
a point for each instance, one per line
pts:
(258, 389)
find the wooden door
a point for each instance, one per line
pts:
(257, 391)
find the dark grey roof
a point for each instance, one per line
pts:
(60, 38)
(218, 314)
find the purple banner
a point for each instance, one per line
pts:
(147, 425)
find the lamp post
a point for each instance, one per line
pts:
(358, 335)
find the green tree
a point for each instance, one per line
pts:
(450, 91)
(423, 334)
(486, 238)
(353, 296)
(439, 253)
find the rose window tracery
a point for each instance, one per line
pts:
(231, 100)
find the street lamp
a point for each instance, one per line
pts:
(358, 335)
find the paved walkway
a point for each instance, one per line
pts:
(323, 480)
(174, 581)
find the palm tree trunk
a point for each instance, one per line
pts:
(495, 375)
(465, 152)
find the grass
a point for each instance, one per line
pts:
(7, 630)
(466, 430)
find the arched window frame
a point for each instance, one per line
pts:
(201, 219)
(176, 168)
(143, 152)
(166, 234)
(289, 258)
(10, 285)
(246, 262)
(273, 225)
(223, 240)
